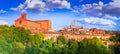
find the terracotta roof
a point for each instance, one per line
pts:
(37, 21)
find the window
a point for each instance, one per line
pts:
(20, 22)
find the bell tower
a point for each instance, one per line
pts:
(23, 16)
(74, 23)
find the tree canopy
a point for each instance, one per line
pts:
(16, 40)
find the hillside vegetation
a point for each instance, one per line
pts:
(15, 40)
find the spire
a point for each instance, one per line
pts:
(74, 22)
(23, 15)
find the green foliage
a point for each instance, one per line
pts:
(62, 39)
(12, 39)
(37, 39)
(116, 49)
(18, 47)
(80, 33)
(73, 47)
(5, 47)
(16, 40)
(92, 46)
(114, 38)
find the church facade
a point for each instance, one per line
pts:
(33, 26)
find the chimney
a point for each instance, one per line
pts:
(23, 15)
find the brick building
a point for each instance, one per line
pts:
(33, 26)
(95, 31)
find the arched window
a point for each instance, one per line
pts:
(20, 22)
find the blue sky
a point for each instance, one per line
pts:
(101, 14)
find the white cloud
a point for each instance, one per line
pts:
(115, 3)
(41, 6)
(100, 9)
(57, 4)
(97, 21)
(20, 8)
(3, 22)
(112, 7)
(76, 11)
(93, 9)
(111, 17)
(2, 11)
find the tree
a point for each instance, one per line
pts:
(16, 40)
(73, 46)
(18, 47)
(36, 45)
(5, 47)
(62, 39)
(37, 39)
(116, 49)
(93, 46)
(114, 38)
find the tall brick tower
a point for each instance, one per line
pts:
(23, 16)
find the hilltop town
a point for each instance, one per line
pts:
(60, 27)
(71, 32)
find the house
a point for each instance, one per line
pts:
(98, 32)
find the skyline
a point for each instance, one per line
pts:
(88, 13)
